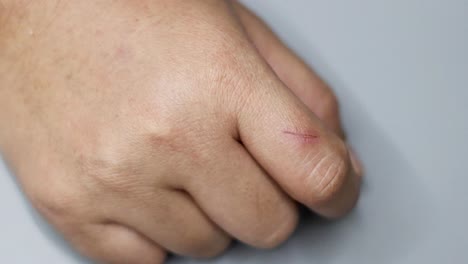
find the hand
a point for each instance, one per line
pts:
(140, 127)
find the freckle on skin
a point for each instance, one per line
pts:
(306, 138)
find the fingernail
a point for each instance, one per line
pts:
(355, 162)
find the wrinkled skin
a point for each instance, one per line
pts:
(139, 128)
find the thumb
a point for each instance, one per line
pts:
(308, 162)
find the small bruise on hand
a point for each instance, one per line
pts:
(303, 137)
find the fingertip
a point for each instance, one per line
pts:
(345, 201)
(334, 184)
(355, 162)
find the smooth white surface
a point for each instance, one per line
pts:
(400, 69)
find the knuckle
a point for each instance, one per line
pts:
(275, 235)
(328, 176)
(190, 144)
(329, 104)
(236, 85)
(233, 88)
(206, 246)
(109, 174)
(57, 204)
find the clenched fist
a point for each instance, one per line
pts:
(144, 127)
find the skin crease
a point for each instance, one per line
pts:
(139, 128)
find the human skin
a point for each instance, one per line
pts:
(144, 127)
